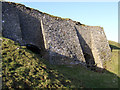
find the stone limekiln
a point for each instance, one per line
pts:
(66, 41)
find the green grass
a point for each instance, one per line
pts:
(89, 79)
(113, 65)
(79, 75)
(24, 69)
(114, 43)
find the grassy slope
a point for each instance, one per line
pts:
(80, 75)
(21, 67)
(89, 79)
(112, 65)
(114, 43)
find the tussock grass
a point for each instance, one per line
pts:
(22, 68)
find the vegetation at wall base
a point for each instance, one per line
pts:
(113, 65)
(22, 68)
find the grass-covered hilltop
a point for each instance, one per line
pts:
(21, 68)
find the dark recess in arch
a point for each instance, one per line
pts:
(33, 48)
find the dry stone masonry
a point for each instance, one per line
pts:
(64, 41)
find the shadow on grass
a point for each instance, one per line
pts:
(79, 75)
(83, 77)
(113, 47)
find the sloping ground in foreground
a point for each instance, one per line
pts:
(24, 69)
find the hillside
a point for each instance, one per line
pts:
(24, 69)
(112, 65)
(113, 43)
(44, 51)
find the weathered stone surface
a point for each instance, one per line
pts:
(20, 25)
(94, 44)
(62, 41)
(66, 41)
(10, 23)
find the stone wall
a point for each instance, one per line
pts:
(94, 43)
(10, 23)
(100, 46)
(62, 40)
(21, 25)
(66, 41)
